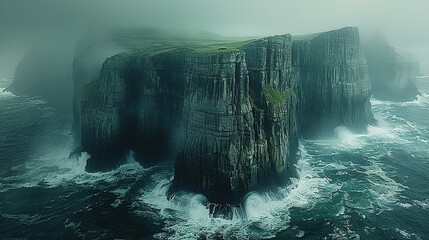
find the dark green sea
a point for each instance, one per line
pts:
(353, 186)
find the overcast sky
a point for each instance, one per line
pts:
(404, 22)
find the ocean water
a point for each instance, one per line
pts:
(353, 186)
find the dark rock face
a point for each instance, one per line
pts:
(274, 105)
(239, 123)
(228, 141)
(392, 74)
(134, 105)
(230, 119)
(216, 157)
(90, 54)
(45, 71)
(334, 86)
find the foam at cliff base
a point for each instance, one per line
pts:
(421, 100)
(5, 94)
(56, 168)
(424, 76)
(346, 140)
(265, 214)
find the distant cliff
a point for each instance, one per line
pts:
(334, 85)
(392, 74)
(228, 112)
(45, 71)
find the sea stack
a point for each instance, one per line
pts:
(228, 113)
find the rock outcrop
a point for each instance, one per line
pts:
(334, 85)
(239, 122)
(229, 114)
(228, 140)
(134, 105)
(392, 74)
(91, 51)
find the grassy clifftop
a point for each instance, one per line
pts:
(151, 42)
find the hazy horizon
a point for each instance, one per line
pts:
(403, 22)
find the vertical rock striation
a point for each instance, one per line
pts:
(134, 105)
(90, 54)
(334, 86)
(200, 106)
(274, 105)
(102, 104)
(229, 115)
(216, 157)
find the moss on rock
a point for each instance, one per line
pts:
(275, 96)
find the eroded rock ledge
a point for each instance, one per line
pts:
(229, 115)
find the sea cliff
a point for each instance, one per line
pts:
(228, 113)
(334, 85)
(393, 74)
(199, 108)
(45, 71)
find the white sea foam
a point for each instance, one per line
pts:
(56, 168)
(384, 189)
(423, 204)
(347, 140)
(404, 205)
(341, 234)
(421, 100)
(423, 76)
(407, 235)
(187, 215)
(5, 94)
(70, 224)
(270, 213)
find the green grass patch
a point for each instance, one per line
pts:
(305, 37)
(223, 47)
(153, 43)
(275, 96)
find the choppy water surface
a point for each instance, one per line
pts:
(355, 186)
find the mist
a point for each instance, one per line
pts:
(403, 22)
(199, 119)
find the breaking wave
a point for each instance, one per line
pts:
(261, 216)
(345, 186)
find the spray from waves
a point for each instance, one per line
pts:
(265, 214)
(384, 191)
(421, 100)
(5, 94)
(373, 178)
(397, 124)
(422, 76)
(390, 128)
(261, 216)
(55, 168)
(346, 140)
